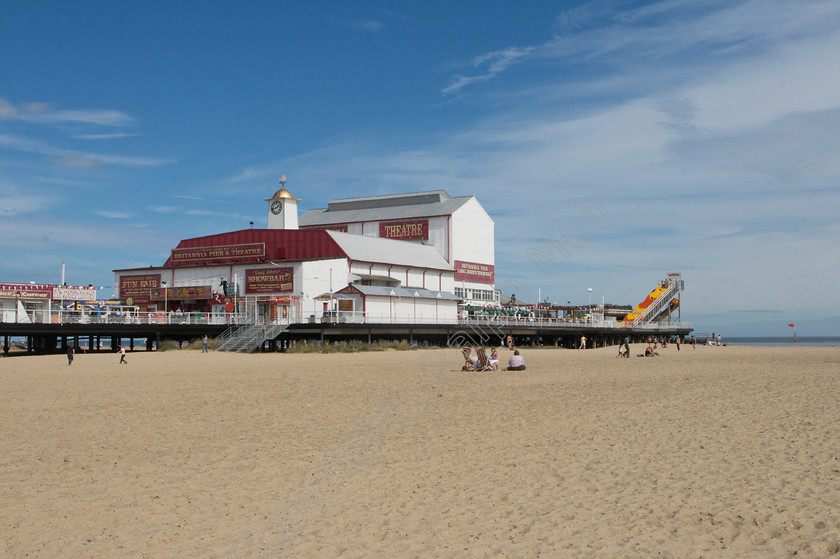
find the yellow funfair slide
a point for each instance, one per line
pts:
(640, 308)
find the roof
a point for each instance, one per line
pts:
(279, 244)
(312, 244)
(381, 208)
(402, 292)
(401, 253)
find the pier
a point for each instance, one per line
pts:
(148, 330)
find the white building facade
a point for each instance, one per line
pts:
(457, 227)
(286, 274)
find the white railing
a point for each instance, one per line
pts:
(325, 318)
(82, 317)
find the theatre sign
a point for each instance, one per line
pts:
(405, 230)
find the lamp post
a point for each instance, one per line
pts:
(590, 305)
(165, 297)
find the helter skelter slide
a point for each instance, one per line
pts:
(660, 304)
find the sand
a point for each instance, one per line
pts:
(716, 452)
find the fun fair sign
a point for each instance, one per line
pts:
(138, 288)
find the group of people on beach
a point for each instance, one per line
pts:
(479, 360)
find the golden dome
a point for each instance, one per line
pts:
(282, 194)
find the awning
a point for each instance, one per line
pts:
(328, 296)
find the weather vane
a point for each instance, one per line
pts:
(282, 180)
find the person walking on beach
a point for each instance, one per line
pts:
(70, 352)
(122, 355)
(677, 341)
(693, 342)
(204, 344)
(582, 342)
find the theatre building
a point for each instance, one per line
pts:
(286, 273)
(458, 227)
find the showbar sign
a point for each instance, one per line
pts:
(470, 271)
(138, 288)
(405, 230)
(245, 250)
(269, 280)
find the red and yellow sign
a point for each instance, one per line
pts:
(138, 287)
(269, 280)
(25, 290)
(470, 271)
(181, 293)
(245, 250)
(405, 230)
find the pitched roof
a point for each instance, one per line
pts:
(381, 208)
(389, 251)
(402, 292)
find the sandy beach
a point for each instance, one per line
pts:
(713, 452)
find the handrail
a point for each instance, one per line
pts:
(238, 321)
(657, 305)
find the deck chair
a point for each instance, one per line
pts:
(483, 360)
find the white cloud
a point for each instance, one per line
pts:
(496, 62)
(76, 161)
(45, 114)
(102, 118)
(112, 214)
(365, 25)
(104, 136)
(7, 111)
(69, 158)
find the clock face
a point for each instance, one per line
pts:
(276, 207)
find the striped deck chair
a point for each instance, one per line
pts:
(483, 360)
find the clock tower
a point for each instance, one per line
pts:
(282, 208)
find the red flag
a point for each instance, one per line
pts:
(792, 325)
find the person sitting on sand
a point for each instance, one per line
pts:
(494, 359)
(470, 359)
(516, 362)
(650, 352)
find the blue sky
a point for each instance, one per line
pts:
(710, 131)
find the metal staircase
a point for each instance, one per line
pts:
(247, 338)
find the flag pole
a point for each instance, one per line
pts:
(792, 325)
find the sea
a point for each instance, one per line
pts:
(786, 341)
